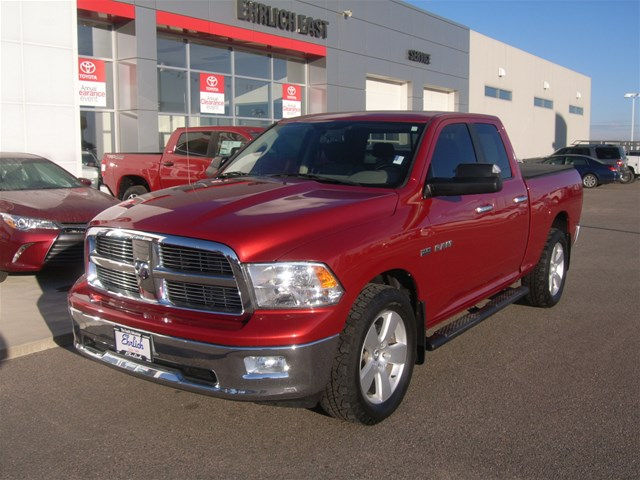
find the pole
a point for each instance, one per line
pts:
(633, 116)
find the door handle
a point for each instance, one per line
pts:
(520, 199)
(168, 163)
(484, 208)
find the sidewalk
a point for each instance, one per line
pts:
(33, 312)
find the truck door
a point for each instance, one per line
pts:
(465, 236)
(189, 159)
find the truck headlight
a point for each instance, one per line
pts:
(27, 223)
(293, 285)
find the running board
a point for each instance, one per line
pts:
(475, 316)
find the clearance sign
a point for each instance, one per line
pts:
(93, 82)
(211, 93)
(291, 100)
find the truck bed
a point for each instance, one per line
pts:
(532, 170)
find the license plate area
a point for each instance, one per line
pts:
(133, 344)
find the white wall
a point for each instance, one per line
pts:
(534, 131)
(38, 80)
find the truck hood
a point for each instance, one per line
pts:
(260, 219)
(62, 205)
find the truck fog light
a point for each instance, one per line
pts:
(266, 366)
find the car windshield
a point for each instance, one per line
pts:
(375, 154)
(33, 174)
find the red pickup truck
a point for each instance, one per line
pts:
(185, 159)
(325, 258)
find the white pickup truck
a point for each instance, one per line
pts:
(633, 161)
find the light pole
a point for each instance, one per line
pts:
(633, 97)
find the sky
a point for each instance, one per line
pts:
(598, 38)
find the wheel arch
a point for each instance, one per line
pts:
(561, 222)
(404, 281)
(128, 181)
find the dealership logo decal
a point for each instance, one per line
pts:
(212, 81)
(291, 100)
(291, 90)
(88, 67)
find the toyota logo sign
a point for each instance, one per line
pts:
(212, 82)
(88, 67)
(291, 90)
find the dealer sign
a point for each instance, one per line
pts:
(92, 75)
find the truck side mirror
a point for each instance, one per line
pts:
(470, 178)
(215, 165)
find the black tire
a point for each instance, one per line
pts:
(134, 191)
(3, 276)
(542, 293)
(627, 176)
(343, 397)
(589, 181)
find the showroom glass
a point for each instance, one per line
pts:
(97, 124)
(454, 147)
(34, 174)
(252, 87)
(363, 153)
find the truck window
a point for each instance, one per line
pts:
(453, 148)
(227, 141)
(193, 143)
(493, 148)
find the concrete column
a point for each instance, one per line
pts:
(137, 106)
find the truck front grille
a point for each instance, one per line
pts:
(167, 270)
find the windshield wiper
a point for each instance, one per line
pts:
(317, 178)
(232, 174)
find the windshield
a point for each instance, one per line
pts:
(362, 153)
(33, 174)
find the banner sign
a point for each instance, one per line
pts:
(211, 93)
(291, 100)
(93, 82)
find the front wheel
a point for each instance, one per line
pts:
(590, 181)
(134, 191)
(546, 281)
(374, 361)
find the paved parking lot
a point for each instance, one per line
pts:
(527, 394)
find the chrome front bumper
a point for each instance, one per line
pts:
(211, 369)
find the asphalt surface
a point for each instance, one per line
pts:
(529, 394)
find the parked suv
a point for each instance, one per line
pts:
(606, 153)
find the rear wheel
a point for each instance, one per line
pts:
(590, 180)
(374, 362)
(134, 191)
(546, 281)
(627, 176)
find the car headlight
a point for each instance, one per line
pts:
(27, 223)
(293, 285)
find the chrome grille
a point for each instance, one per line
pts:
(194, 260)
(115, 248)
(118, 281)
(193, 295)
(167, 270)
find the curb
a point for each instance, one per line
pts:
(17, 351)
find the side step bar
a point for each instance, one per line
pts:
(475, 316)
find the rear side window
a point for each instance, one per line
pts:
(608, 153)
(492, 147)
(454, 147)
(193, 143)
(578, 151)
(577, 161)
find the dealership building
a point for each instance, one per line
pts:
(103, 75)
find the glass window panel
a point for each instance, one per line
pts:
(252, 98)
(288, 70)
(253, 123)
(193, 143)
(252, 65)
(537, 102)
(172, 52)
(210, 58)
(96, 129)
(205, 121)
(94, 40)
(195, 95)
(491, 92)
(493, 148)
(172, 90)
(453, 148)
(505, 94)
(166, 125)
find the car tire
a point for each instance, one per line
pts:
(589, 181)
(134, 191)
(374, 361)
(627, 176)
(3, 276)
(546, 281)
